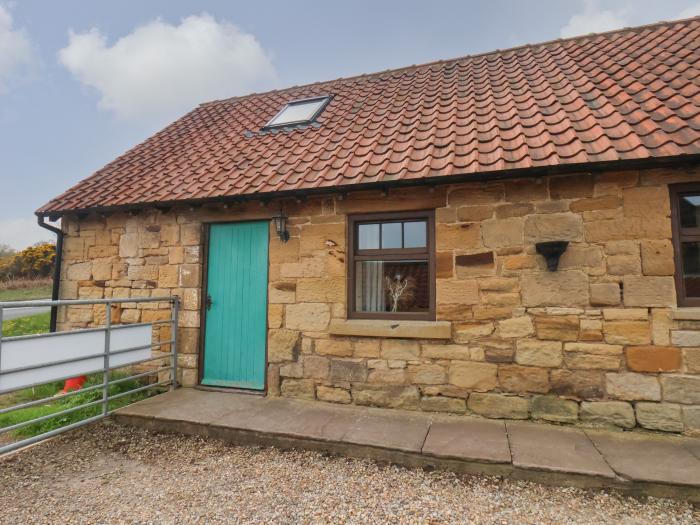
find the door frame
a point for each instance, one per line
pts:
(204, 286)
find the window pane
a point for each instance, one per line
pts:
(392, 286)
(297, 112)
(391, 235)
(690, 211)
(368, 237)
(414, 234)
(690, 252)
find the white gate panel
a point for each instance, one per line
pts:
(22, 353)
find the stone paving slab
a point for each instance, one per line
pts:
(404, 433)
(651, 463)
(542, 447)
(471, 440)
(648, 458)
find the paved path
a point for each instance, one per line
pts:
(14, 313)
(654, 464)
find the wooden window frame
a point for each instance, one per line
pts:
(680, 235)
(427, 254)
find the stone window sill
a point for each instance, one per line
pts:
(686, 314)
(391, 328)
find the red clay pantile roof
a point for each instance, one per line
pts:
(625, 95)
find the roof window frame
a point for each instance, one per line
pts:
(326, 99)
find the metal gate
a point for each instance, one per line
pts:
(30, 361)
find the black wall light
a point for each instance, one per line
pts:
(552, 251)
(281, 225)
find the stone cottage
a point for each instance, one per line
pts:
(514, 234)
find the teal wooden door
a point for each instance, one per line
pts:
(236, 317)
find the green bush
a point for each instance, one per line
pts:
(31, 263)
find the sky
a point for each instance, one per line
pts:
(82, 82)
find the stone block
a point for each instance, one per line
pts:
(475, 213)
(457, 291)
(366, 348)
(308, 316)
(190, 275)
(643, 201)
(632, 387)
(583, 384)
(591, 330)
(466, 332)
(691, 360)
(653, 358)
(190, 234)
(563, 288)
(275, 315)
(660, 416)
(616, 413)
(681, 389)
(525, 190)
(624, 265)
(473, 375)
(625, 314)
(605, 202)
(333, 394)
(461, 236)
(387, 376)
(516, 327)
(661, 324)
(320, 290)
(298, 388)
(685, 337)
(627, 332)
(343, 370)
(316, 367)
(553, 408)
(691, 419)
(657, 257)
(557, 327)
(531, 352)
(474, 195)
(443, 404)
(605, 294)
(293, 370)
(521, 209)
(577, 256)
(444, 265)
(129, 245)
(79, 271)
(501, 233)
(499, 406)
(553, 227)
(459, 352)
(399, 349)
(521, 379)
(592, 356)
(427, 374)
(576, 186)
(282, 345)
(315, 237)
(334, 347)
(649, 291)
(386, 396)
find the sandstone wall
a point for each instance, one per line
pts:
(598, 341)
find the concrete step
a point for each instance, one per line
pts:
(632, 462)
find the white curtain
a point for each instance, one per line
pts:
(370, 294)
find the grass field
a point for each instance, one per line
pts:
(25, 290)
(32, 324)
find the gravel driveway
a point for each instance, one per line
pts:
(111, 474)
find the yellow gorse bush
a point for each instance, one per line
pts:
(31, 263)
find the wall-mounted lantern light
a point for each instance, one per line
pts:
(281, 225)
(552, 251)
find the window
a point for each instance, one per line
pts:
(299, 112)
(685, 204)
(391, 266)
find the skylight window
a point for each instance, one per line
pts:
(299, 112)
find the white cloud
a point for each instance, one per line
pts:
(593, 19)
(21, 233)
(160, 70)
(16, 53)
(689, 12)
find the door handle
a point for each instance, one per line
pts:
(208, 302)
